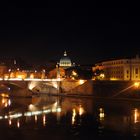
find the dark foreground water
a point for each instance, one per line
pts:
(61, 118)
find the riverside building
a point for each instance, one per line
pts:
(120, 69)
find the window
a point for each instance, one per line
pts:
(136, 71)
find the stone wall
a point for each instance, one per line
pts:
(74, 87)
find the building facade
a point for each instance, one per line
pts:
(65, 61)
(3, 70)
(120, 69)
(54, 73)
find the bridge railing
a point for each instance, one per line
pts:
(29, 79)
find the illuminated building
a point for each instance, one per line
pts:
(53, 73)
(120, 69)
(65, 61)
(3, 69)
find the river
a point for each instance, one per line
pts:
(68, 118)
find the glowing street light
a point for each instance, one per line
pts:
(74, 73)
(81, 81)
(136, 84)
(102, 75)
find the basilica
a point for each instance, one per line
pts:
(65, 61)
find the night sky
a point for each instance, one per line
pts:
(39, 33)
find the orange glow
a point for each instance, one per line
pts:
(101, 114)
(102, 75)
(32, 76)
(44, 120)
(4, 100)
(32, 85)
(74, 73)
(12, 75)
(6, 104)
(10, 122)
(136, 116)
(6, 76)
(136, 84)
(73, 116)
(36, 118)
(4, 95)
(81, 81)
(19, 76)
(18, 124)
(81, 110)
(113, 79)
(73, 78)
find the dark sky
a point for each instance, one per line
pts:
(40, 32)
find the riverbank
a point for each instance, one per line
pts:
(105, 89)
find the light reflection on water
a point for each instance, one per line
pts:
(81, 116)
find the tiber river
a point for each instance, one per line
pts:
(68, 118)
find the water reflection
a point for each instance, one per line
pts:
(36, 118)
(5, 102)
(18, 124)
(44, 120)
(73, 116)
(81, 110)
(101, 114)
(10, 122)
(81, 116)
(31, 107)
(136, 115)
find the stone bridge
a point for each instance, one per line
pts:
(27, 88)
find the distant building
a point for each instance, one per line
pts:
(79, 72)
(3, 70)
(54, 73)
(65, 61)
(120, 69)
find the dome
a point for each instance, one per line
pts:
(65, 61)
